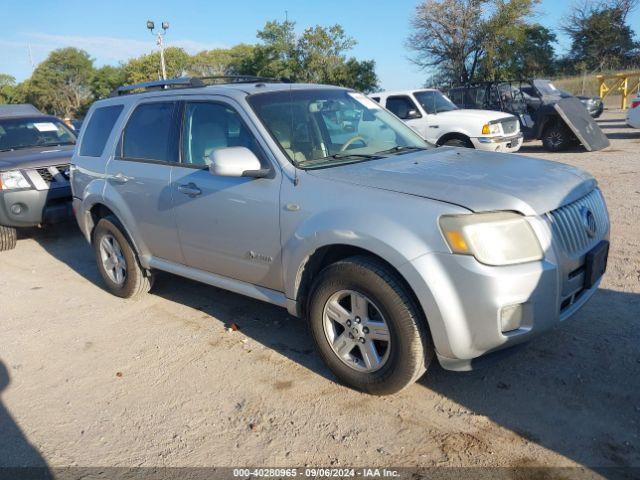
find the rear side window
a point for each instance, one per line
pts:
(98, 131)
(403, 107)
(150, 133)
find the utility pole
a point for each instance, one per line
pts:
(33, 67)
(160, 43)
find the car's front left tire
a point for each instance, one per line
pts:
(8, 238)
(117, 261)
(367, 327)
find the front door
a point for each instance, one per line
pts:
(403, 107)
(229, 226)
(140, 175)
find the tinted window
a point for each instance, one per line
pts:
(149, 133)
(98, 131)
(208, 127)
(376, 99)
(401, 106)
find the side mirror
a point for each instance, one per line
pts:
(413, 114)
(236, 162)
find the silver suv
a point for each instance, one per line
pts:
(317, 199)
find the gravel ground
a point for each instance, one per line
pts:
(91, 380)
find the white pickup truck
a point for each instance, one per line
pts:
(439, 121)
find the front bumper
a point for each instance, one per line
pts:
(30, 207)
(509, 144)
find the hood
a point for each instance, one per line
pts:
(479, 181)
(35, 157)
(483, 116)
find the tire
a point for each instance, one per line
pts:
(457, 142)
(556, 138)
(8, 238)
(403, 358)
(131, 281)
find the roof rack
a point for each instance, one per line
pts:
(186, 82)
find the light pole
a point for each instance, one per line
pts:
(160, 42)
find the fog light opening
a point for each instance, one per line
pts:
(511, 317)
(16, 209)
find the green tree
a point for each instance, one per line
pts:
(105, 80)
(62, 83)
(601, 38)
(147, 67)
(222, 61)
(7, 87)
(452, 38)
(528, 52)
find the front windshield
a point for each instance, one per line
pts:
(318, 127)
(434, 102)
(19, 133)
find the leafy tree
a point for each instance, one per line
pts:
(7, 87)
(62, 83)
(105, 80)
(147, 67)
(455, 36)
(600, 35)
(222, 61)
(527, 53)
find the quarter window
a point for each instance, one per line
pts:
(98, 131)
(403, 107)
(208, 127)
(149, 134)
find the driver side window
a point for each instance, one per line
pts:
(208, 127)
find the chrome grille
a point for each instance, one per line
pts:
(58, 173)
(510, 126)
(568, 226)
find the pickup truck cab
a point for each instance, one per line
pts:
(316, 199)
(439, 121)
(35, 151)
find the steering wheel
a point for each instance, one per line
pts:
(349, 142)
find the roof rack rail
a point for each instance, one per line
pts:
(186, 82)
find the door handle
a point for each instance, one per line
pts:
(120, 178)
(190, 189)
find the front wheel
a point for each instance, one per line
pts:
(8, 238)
(117, 261)
(458, 142)
(556, 138)
(367, 327)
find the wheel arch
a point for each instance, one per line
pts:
(453, 136)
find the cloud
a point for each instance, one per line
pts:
(106, 50)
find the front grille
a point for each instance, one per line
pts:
(568, 224)
(57, 173)
(510, 126)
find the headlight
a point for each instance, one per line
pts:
(501, 238)
(13, 179)
(491, 129)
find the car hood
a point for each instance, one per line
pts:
(479, 115)
(478, 181)
(35, 157)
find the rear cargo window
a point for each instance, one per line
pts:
(98, 131)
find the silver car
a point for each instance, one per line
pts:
(317, 199)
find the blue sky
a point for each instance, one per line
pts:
(114, 31)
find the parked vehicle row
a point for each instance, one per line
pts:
(319, 200)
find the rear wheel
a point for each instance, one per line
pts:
(557, 137)
(367, 328)
(8, 238)
(117, 262)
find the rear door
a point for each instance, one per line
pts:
(229, 226)
(140, 175)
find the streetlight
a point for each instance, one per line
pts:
(160, 42)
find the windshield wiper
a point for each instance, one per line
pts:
(55, 144)
(339, 156)
(401, 148)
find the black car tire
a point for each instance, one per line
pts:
(137, 281)
(458, 142)
(8, 238)
(557, 137)
(410, 349)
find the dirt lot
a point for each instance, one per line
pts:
(88, 379)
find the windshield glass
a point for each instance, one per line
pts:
(18, 133)
(317, 127)
(434, 102)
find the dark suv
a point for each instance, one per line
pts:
(35, 150)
